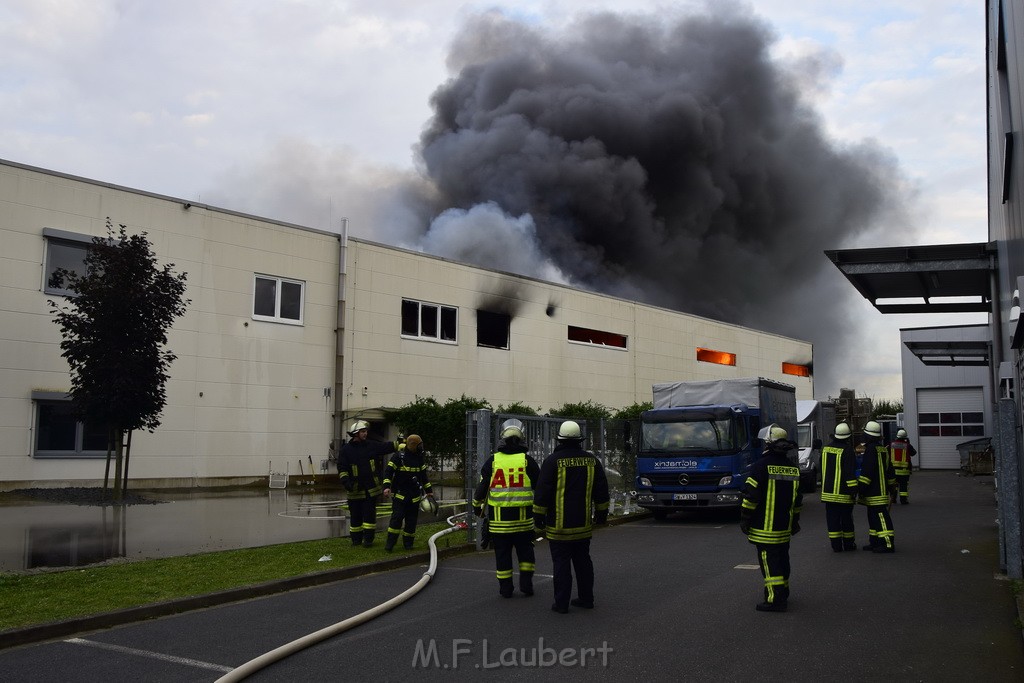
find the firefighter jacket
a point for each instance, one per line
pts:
(506, 487)
(359, 467)
(900, 452)
(771, 499)
(839, 472)
(572, 484)
(406, 475)
(876, 473)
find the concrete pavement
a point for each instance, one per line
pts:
(675, 601)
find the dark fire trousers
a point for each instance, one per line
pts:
(881, 532)
(522, 542)
(839, 520)
(773, 558)
(567, 556)
(362, 518)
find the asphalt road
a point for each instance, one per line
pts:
(675, 601)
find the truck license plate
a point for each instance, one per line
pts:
(684, 496)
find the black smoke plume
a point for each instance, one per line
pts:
(671, 161)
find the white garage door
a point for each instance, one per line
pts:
(945, 418)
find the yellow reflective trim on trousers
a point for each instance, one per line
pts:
(504, 573)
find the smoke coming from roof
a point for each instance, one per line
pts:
(668, 161)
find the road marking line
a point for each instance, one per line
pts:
(152, 655)
(746, 566)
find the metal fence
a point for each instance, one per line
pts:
(606, 438)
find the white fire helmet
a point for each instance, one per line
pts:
(772, 433)
(512, 429)
(843, 431)
(428, 505)
(901, 434)
(872, 428)
(569, 430)
(357, 426)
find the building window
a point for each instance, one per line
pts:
(582, 335)
(796, 370)
(423, 320)
(493, 329)
(60, 435)
(276, 299)
(65, 250)
(716, 357)
(951, 424)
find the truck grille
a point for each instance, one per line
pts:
(695, 478)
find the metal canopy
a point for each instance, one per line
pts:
(924, 272)
(951, 353)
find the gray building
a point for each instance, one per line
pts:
(946, 396)
(984, 277)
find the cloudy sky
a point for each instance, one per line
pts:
(805, 125)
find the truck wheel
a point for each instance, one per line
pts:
(660, 514)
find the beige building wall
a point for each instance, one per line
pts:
(247, 395)
(243, 393)
(541, 367)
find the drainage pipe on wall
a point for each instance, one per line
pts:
(264, 660)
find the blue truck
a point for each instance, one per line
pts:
(696, 446)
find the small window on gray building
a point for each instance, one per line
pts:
(424, 320)
(277, 299)
(64, 250)
(59, 434)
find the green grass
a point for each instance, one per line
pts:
(30, 599)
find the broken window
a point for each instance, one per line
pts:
(492, 329)
(598, 337)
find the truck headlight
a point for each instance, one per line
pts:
(644, 481)
(725, 481)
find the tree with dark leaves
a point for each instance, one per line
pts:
(114, 329)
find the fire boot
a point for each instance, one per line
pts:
(526, 583)
(356, 537)
(407, 541)
(506, 588)
(367, 539)
(389, 544)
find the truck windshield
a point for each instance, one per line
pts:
(803, 436)
(704, 433)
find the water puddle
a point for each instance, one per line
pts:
(39, 534)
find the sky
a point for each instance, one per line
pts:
(695, 155)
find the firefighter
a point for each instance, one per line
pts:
(839, 488)
(359, 468)
(572, 481)
(901, 452)
(876, 485)
(405, 476)
(770, 514)
(505, 496)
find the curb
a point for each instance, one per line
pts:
(96, 622)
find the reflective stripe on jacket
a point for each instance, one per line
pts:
(772, 499)
(838, 477)
(876, 474)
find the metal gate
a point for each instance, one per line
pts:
(607, 439)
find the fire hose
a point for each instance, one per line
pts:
(264, 660)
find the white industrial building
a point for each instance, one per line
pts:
(293, 332)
